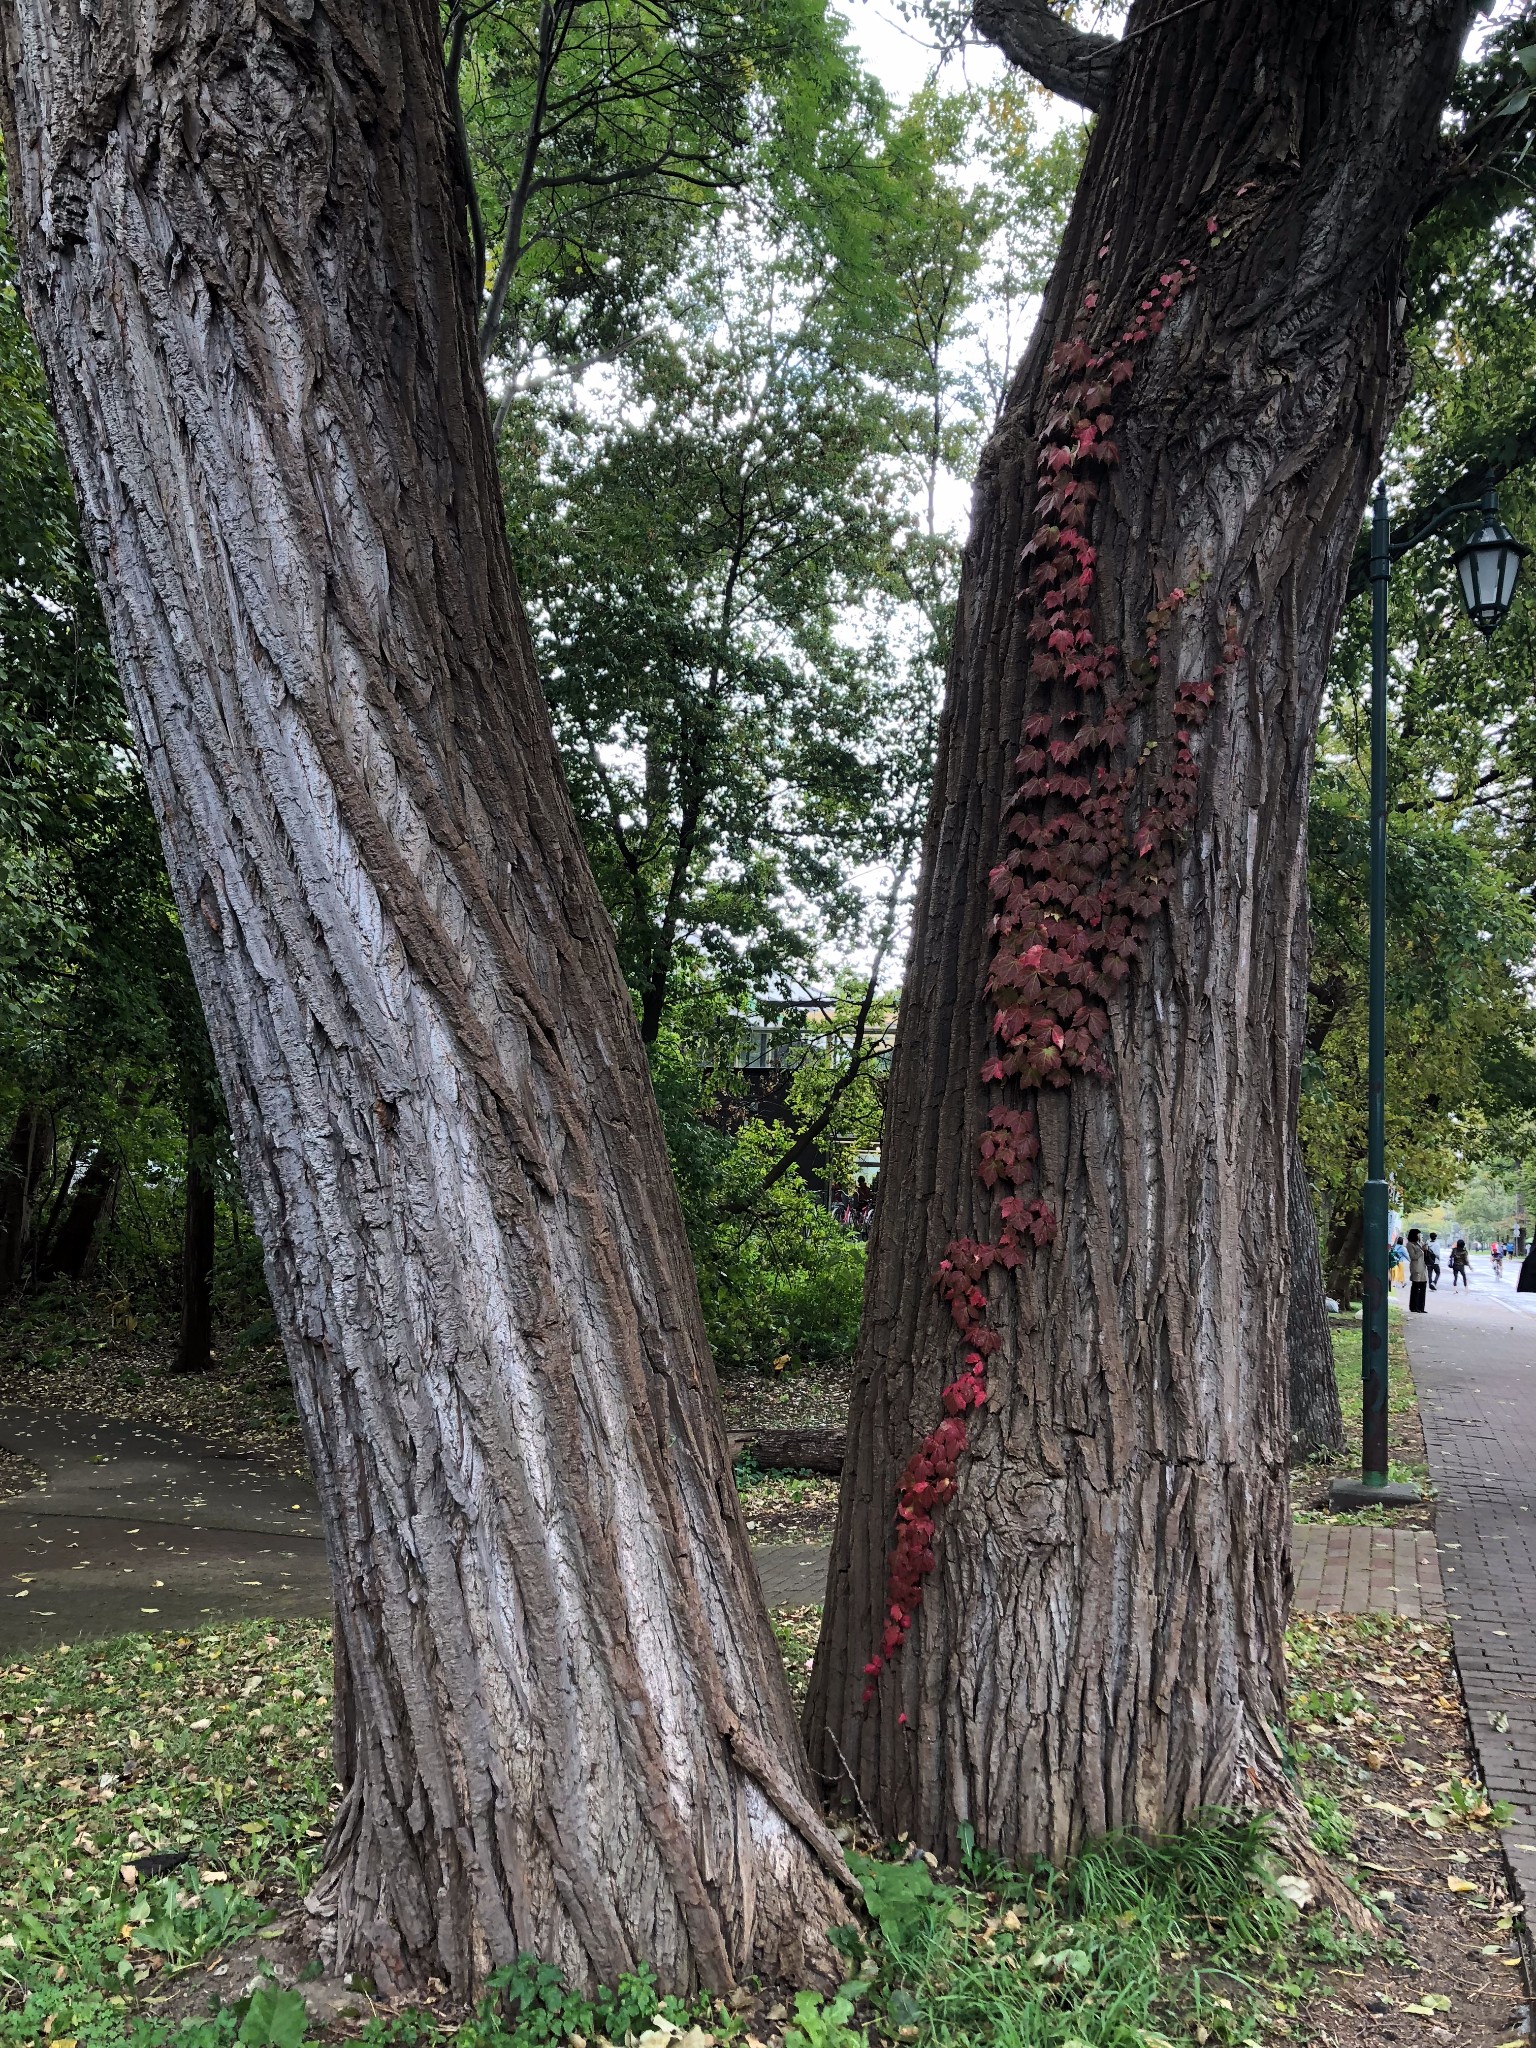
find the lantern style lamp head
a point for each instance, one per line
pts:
(1488, 566)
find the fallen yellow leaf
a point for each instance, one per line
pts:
(1460, 1884)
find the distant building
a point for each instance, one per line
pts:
(784, 1025)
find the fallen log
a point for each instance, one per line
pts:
(794, 1450)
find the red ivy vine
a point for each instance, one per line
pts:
(1092, 842)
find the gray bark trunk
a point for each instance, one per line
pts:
(1317, 1425)
(1076, 1624)
(563, 1723)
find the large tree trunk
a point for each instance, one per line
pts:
(564, 1725)
(194, 1341)
(1074, 1622)
(1317, 1425)
(72, 1243)
(1346, 1251)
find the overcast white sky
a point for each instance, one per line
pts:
(897, 53)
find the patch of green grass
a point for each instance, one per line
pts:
(797, 1630)
(213, 1746)
(1401, 1397)
(1337, 1708)
(1135, 1944)
(217, 1744)
(1138, 1944)
(1332, 1828)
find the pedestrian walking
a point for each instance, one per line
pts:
(1432, 1260)
(1459, 1263)
(1418, 1274)
(1397, 1260)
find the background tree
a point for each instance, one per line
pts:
(1457, 1009)
(1097, 1262)
(1317, 1420)
(741, 570)
(601, 134)
(690, 558)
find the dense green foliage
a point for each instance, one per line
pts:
(781, 1279)
(1457, 1009)
(101, 1039)
(1461, 1055)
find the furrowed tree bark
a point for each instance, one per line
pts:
(562, 1723)
(1317, 1424)
(1098, 1642)
(1346, 1252)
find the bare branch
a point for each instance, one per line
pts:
(1067, 60)
(458, 31)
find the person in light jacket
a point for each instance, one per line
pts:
(1418, 1274)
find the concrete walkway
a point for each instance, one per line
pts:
(141, 1527)
(1474, 1364)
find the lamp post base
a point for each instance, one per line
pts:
(1356, 1493)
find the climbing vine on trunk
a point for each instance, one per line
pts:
(1076, 1612)
(1095, 828)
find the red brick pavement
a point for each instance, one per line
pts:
(1474, 1364)
(1356, 1570)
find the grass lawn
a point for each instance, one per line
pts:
(213, 1747)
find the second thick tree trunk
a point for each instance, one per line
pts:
(1317, 1423)
(563, 1724)
(1099, 1603)
(194, 1342)
(73, 1242)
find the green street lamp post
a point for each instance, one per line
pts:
(1487, 567)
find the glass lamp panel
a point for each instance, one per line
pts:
(1466, 570)
(1509, 571)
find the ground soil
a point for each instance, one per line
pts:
(1379, 1726)
(800, 1397)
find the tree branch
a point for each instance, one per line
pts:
(1064, 59)
(1511, 450)
(458, 32)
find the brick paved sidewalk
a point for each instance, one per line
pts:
(1474, 1365)
(1358, 1570)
